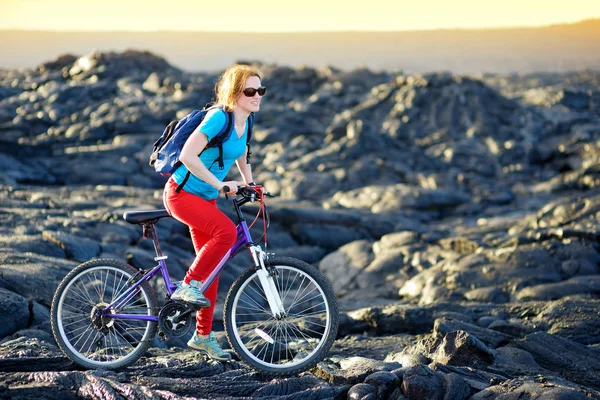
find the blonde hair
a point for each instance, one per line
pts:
(232, 83)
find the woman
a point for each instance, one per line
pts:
(239, 91)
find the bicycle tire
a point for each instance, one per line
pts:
(282, 365)
(80, 287)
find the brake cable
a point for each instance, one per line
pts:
(261, 210)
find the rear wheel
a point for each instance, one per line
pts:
(87, 337)
(296, 341)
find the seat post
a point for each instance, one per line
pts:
(150, 232)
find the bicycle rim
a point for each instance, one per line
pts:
(115, 340)
(292, 340)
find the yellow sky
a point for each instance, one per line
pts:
(289, 15)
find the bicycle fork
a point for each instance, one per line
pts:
(267, 282)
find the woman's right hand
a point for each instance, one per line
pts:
(233, 187)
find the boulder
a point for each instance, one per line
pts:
(352, 370)
(459, 348)
(14, 312)
(571, 360)
(420, 382)
(343, 266)
(76, 248)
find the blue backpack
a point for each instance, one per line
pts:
(167, 149)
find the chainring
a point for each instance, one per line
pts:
(171, 322)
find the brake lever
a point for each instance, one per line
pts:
(225, 189)
(247, 192)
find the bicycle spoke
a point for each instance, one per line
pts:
(104, 284)
(84, 329)
(126, 325)
(299, 293)
(289, 354)
(318, 334)
(118, 288)
(97, 336)
(122, 337)
(291, 285)
(97, 340)
(265, 346)
(257, 292)
(275, 341)
(314, 313)
(91, 330)
(258, 308)
(114, 289)
(258, 326)
(283, 344)
(316, 305)
(83, 295)
(133, 301)
(294, 337)
(95, 286)
(306, 338)
(79, 307)
(317, 324)
(244, 314)
(304, 299)
(79, 321)
(252, 321)
(250, 331)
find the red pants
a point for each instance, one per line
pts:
(213, 234)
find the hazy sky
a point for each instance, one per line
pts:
(288, 15)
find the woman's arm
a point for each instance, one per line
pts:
(189, 157)
(244, 167)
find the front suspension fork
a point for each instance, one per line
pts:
(267, 282)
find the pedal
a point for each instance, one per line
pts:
(162, 336)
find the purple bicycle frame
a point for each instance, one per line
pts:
(243, 238)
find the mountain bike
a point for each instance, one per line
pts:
(280, 317)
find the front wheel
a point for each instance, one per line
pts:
(293, 342)
(91, 339)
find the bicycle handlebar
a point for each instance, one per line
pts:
(247, 191)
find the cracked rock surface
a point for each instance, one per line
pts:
(457, 218)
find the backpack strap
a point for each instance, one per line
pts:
(222, 137)
(248, 137)
(164, 138)
(224, 131)
(180, 186)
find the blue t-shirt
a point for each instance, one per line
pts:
(233, 148)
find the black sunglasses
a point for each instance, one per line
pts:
(250, 92)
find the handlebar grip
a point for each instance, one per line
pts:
(225, 189)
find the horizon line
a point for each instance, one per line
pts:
(301, 31)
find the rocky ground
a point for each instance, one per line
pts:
(457, 218)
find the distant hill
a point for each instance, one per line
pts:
(554, 48)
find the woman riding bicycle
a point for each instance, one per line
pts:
(239, 91)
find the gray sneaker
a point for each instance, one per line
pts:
(191, 294)
(209, 347)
